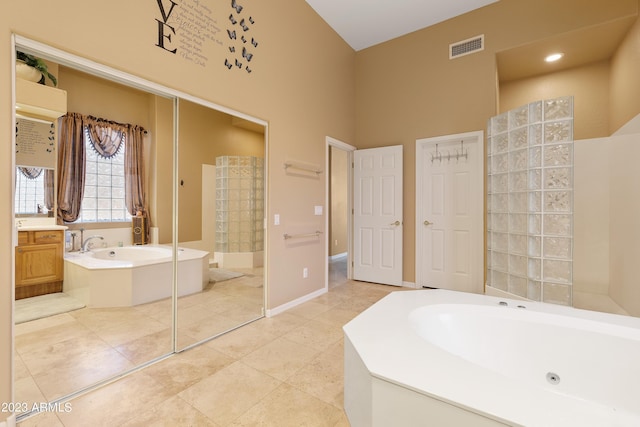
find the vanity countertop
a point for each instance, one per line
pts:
(41, 227)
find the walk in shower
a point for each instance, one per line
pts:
(239, 211)
(530, 201)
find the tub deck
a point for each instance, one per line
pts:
(394, 376)
(101, 281)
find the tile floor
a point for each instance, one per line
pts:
(281, 371)
(61, 354)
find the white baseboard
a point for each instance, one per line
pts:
(284, 307)
(9, 422)
(338, 256)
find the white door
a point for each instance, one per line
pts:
(450, 212)
(377, 216)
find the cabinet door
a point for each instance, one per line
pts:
(38, 264)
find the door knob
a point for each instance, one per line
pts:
(395, 223)
(427, 222)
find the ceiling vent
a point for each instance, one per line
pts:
(466, 47)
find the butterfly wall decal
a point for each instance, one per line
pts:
(236, 6)
(240, 61)
(246, 54)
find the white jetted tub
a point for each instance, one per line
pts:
(132, 275)
(443, 358)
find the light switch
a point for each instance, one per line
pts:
(276, 219)
(318, 210)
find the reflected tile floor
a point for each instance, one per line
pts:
(286, 370)
(61, 354)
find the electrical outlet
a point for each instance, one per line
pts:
(336, 243)
(305, 273)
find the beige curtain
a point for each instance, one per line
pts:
(71, 166)
(134, 175)
(107, 137)
(49, 197)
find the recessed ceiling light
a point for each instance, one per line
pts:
(554, 57)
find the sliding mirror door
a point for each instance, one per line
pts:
(221, 210)
(113, 309)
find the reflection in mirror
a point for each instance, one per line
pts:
(221, 212)
(113, 310)
(38, 108)
(34, 192)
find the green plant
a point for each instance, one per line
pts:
(39, 65)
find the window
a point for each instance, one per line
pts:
(29, 196)
(104, 188)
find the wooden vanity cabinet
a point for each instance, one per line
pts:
(39, 262)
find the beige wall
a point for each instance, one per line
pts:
(625, 84)
(338, 242)
(160, 165)
(98, 97)
(203, 135)
(589, 86)
(408, 88)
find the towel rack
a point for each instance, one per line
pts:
(298, 236)
(299, 166)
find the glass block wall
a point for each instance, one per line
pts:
(239, 204)
(530, 201)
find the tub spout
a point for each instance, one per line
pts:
(85, 244)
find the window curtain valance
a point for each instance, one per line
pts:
(29, 172)
(106, 137)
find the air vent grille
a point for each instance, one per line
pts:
(466, 47)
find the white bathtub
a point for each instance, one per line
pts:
(132, 275)
(445, 358)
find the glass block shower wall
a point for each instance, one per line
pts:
(530, 201)
(239, 204)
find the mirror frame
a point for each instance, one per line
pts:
(111, 74)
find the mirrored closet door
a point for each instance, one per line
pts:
(126, 282)
(220, 218)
